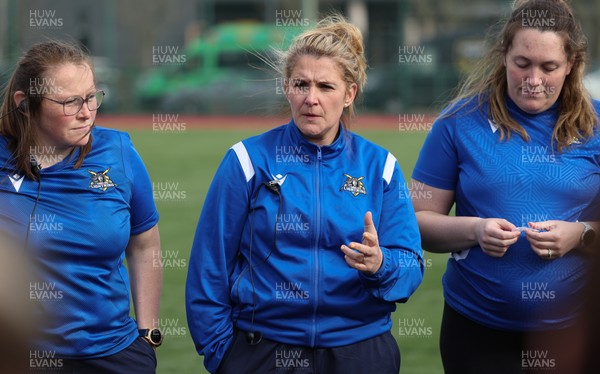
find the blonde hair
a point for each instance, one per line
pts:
(336, 38)
(487, 82)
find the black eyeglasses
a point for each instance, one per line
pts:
(72, 105)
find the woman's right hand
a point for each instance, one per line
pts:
(496, 235)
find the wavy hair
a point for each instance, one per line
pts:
(488, 81)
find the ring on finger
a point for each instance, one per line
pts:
(549, 253)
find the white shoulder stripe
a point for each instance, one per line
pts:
(388, 170)
(244, 158)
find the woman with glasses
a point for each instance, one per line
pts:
(79, 201)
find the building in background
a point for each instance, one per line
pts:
(416, 49)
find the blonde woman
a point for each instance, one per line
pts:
(297, 263)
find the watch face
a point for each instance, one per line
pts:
(588, 237)
(155, 336)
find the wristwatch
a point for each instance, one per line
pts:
(588, 236)
(153, 336)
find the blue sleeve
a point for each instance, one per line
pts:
(215, 247)
(143, 211)
(400, 241)
(437, 165)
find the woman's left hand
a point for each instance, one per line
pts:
(556, 239)
(365, 256)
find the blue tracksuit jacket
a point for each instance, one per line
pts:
(299, 289)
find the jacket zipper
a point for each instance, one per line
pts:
(316, 248)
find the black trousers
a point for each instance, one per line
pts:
(379, 355)
(470, 348)
(138, 358)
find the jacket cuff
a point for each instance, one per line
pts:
(374, 280)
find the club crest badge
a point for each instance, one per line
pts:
(101, 180)
(354, 185)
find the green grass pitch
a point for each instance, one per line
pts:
(182, 165)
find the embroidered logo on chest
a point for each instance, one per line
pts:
(100, 180)
(354, 185)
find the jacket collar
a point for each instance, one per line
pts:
(327, 151)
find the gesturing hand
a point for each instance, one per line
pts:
(365, 256)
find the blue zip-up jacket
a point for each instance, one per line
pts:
(302, 290)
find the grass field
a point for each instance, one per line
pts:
(182, 165)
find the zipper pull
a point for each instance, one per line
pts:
(319, 153)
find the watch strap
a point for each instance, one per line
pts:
(588, 235)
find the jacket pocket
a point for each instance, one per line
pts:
(241, 288)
